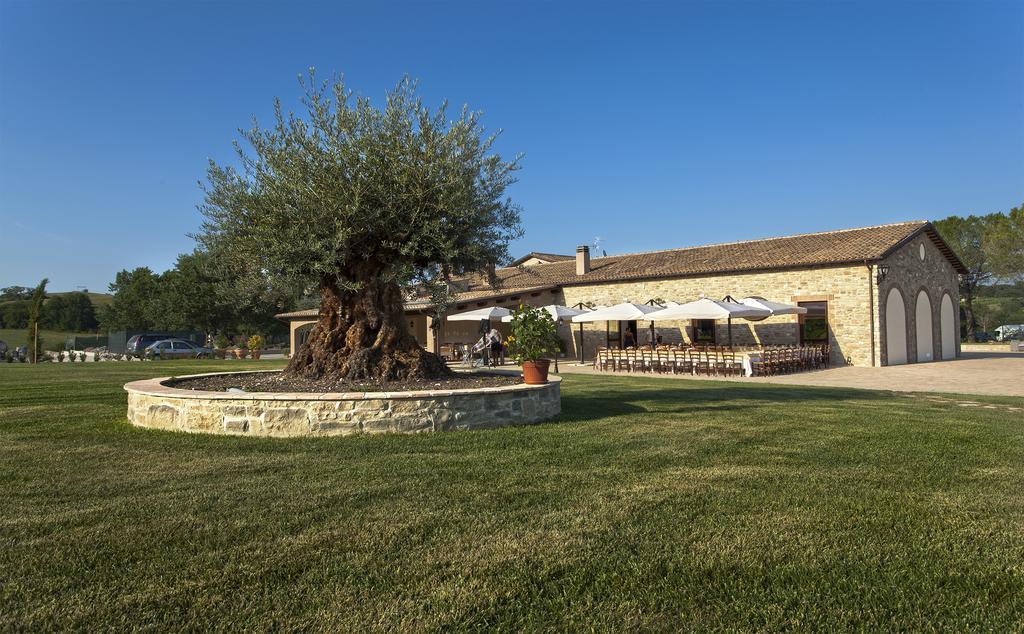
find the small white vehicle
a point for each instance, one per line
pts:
(1009, 332)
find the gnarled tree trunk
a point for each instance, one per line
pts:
(361, 335)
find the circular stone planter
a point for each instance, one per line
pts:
(158, 406)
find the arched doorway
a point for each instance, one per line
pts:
(947, 326)
(923, 318)
(895, 328)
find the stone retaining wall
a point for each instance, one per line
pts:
(158, 406)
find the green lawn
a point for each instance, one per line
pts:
(15, 337)
(650, 504)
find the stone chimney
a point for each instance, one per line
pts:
(582, 259)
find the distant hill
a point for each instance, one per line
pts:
(98, 299)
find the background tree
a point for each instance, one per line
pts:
(14, 314)
(991, 247)
(359, 204)
(35, 312)
(994, 312)
(72, 312)
(15, 292)
(134, 304)
(199, 293)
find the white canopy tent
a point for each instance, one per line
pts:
(775, 308)
(705, 308)
(626, 311)
(557, 312)
(481, 314)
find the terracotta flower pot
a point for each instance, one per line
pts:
(536, 372)
(255, 353)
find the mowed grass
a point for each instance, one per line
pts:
(649, 504)
(15, 337)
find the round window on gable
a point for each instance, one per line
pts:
(920, 251)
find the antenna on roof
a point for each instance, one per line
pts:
(597, 246)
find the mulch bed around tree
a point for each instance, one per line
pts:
(276, 382)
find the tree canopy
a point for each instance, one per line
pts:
(359, 203)
(990, 246)
(193, 295)
(72, 312)
(35, 312)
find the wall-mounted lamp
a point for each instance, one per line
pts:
(881, 272)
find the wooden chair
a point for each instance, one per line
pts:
(727, 361)
(618, 359)
(629, 357)
(647, 359)
(703, 362)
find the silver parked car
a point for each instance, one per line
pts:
(177, 349)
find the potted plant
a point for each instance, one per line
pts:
(220, 345)
(533, 335)
(255, 345)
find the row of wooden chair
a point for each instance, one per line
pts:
(669, 360)
(786, 360)
(712, 360)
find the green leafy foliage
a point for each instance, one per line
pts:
(15, 292)
(134, 305)
(355, 204)
(197, 294)
(73, 312)
(255, 342)
(14, 314)
(410, 189)
(533, 334)
(991, 248)
(992, 312)
(35, 313)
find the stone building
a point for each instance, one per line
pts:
(882, 295)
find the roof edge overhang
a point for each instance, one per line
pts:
(312, 313)
(937, 240)
(739, 271)
(498, 294)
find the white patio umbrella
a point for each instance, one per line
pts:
(705, 308)
(481, 314)
(626, 311)
(557, 312)
(775, 308)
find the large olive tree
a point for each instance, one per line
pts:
(361, 204)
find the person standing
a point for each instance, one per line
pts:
(494, 337)
(627, 339)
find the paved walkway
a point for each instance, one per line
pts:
(1000, 374)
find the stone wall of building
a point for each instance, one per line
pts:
(846, 289)
(154, 405)
(909, 273)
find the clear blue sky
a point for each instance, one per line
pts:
(652, 125)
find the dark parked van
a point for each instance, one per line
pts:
(138, 343)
